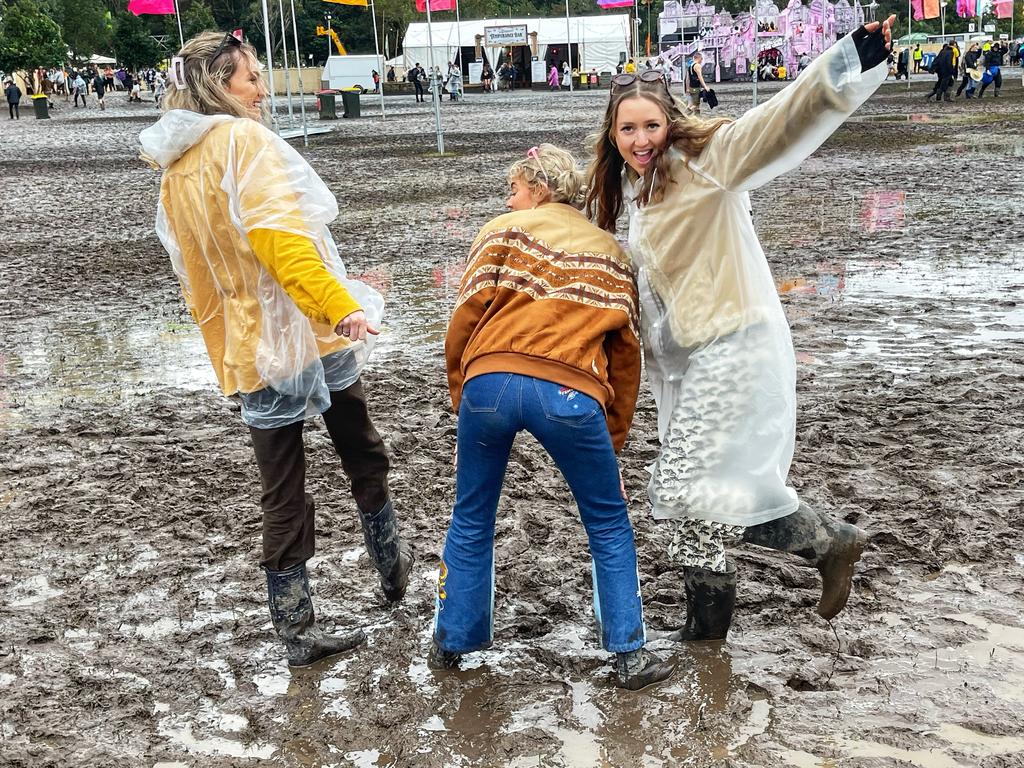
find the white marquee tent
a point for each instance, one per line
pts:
(600, 39)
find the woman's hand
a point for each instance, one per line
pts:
(622, 487)
(355, 326)
(873, 42)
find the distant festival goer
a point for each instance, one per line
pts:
(719, 354)
(245, 221)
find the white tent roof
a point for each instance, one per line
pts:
(98, 59)
(600, 38)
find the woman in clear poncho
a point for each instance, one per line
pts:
(244, 219)
(717, 346)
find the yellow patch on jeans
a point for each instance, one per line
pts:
(442, 575)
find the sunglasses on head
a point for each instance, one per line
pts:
(647, 76)
(229, 40)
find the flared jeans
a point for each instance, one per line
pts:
(571, 427)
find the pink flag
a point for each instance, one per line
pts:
(614, 3)
(1004, 9)
(435, 5)
(917, 6)
(964, 8)
(155, 7)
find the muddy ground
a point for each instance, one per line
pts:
(132, 616)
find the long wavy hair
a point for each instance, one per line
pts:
(207, 78)
(604, 176)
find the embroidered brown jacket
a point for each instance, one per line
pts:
(547, 294)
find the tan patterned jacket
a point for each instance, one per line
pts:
(547, 294)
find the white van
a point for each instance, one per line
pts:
(343, 72)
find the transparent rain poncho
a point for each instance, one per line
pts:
(717, 345)
(223, 178)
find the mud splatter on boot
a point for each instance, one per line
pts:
(710, 600)
(635, 670)
(833, 546)
(389, 555)
(291, 610)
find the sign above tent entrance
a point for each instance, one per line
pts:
(512, 34)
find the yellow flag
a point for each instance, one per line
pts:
(363, 3)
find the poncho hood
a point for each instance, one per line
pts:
(175, 133)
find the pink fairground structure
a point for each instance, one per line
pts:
(728, 42)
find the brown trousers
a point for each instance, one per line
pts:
(288, 511)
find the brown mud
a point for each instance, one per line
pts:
(132, 612)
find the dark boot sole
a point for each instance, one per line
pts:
(397, 592)
(836, 571)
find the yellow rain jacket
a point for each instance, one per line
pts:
(244, 219)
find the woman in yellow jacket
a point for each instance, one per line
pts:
(244, 219)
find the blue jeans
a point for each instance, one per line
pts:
(571, 427)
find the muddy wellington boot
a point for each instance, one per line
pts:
(635, 670)
(710, 599)
(831, 545)
(441, 660)
(389, 555)
(291, 610)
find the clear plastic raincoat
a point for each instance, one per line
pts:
(224, 178)
(718, 349)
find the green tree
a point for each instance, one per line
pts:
(134, 46)
(84, 25)
(29, 38)
(198, 18)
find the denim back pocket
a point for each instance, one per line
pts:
(482, 394)
(564, 404)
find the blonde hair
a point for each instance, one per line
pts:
(604, 176)
(548, 167)
(207, 78)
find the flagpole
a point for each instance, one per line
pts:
(270, 65)
(910, 51)
(458, 38)
(177, 15)
(302, 90)
(380, 62)
(287, 74)
(757, 59)
(436, 86)
(568, 44)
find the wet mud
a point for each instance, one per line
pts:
(132, 612)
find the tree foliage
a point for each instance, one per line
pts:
(134, 45)
(29, 38)
(84, 24)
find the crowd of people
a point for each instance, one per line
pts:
(545, 337)
(77, 83)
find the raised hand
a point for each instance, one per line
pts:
(873, 41)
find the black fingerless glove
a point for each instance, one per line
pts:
(870, 47)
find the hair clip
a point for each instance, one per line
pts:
(533, 153)
(177, 73)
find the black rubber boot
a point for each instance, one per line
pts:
(635, 670)
(710, 600)
(832, 546)
(389, 555)
(440, 660)
(291, 610)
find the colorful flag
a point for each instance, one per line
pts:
(435, 5)
(615, 3)
(917, 7)
(348, 2)
(931, 9)
(965, 8)
(1004, 9)
(154, 7)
